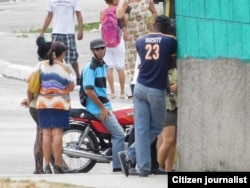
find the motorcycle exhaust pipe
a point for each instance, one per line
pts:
(93, 156)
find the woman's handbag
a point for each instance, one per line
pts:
(34, 83)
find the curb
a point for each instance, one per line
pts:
(19, 72)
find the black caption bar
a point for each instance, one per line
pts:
(208, 179)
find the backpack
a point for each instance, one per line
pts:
(82, 95)
(110, 30)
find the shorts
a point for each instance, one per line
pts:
(53, 118)
(68, 40)
(33, 113)
(171, 118)
(115, 57)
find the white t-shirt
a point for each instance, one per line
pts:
(63, 15)
(136, 69)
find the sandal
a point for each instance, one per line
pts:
(112, 96)
(47, 169)
(122, 96)
(58, 170)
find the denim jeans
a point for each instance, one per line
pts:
(150, 113)
(117, 137)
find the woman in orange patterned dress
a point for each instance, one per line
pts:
(53, 104)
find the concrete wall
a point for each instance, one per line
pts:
(214, 85)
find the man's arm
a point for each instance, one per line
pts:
(46, 23)
(91, 94)
(80, 25)
(104, 112)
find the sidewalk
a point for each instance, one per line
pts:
(100, 180)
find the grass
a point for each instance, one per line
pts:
(86, 27)
(90, 26)
(8, 183)
(23, 36)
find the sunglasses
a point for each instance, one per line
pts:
(100, 48)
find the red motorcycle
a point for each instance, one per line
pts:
(88, 142)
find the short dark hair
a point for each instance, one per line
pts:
(165, 25)
(43, 48)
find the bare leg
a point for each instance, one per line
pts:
(168, 137)
(57, 145)
(121, 74)
(172, 155)
(76, 69)
(170, 159)
(111, 81)
(159, 141)
(47, 140)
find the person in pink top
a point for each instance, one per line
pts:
(115, 56)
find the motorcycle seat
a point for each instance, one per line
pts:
(82, 113)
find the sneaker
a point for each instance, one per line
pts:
(144, 173)
(47, 169)
(132, 164)
(117, 169)
(159, 171)
(124, 162)
(133, 172)
(130, 97)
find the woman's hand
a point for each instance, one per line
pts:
(25, 103)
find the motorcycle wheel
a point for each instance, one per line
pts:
(70, 140)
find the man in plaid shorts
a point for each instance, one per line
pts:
(63, 14)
